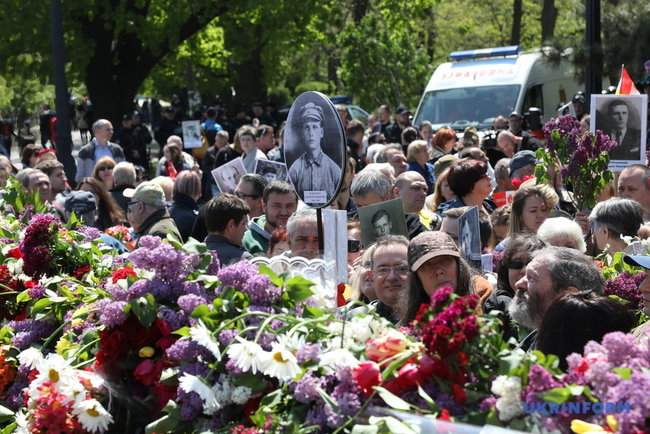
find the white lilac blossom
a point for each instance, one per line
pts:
(508, 389)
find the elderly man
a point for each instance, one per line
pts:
(393, 155)
(100, 146)
(314, 171)
(522, 164)
(279, 202)
(147, 212)
(553, 272)
(412, 189)
(302, 234)
(634, 183)
(389, 272)
(226, 220)
(371, 186)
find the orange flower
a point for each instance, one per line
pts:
(386, 346)
(7, 373)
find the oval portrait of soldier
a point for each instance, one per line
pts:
(314, 149)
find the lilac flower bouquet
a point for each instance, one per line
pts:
(581, 156)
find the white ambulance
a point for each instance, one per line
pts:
(478, 85)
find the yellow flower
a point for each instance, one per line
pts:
(146, 352)
(612, 423)
(582, 427)
(63, 345)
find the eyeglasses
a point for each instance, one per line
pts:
(400, 270)
(241, 195)
(100, 169)
(517, 265)
(131, 204)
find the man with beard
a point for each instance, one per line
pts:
(553, 272)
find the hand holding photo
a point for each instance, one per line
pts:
(381, 219)
(271, 170)
(191, 134)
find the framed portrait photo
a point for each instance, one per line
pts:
(315, 149)
(227, 176)
(469, 236)
(191, 134)
(624, 118)
(381, 219)
(271, 170)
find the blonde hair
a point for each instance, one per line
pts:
(414, 148)
(167, 184)
(518, 202)
(437, 198)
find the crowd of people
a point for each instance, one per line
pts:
(545, 281)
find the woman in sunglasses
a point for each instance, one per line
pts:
(512, 268)
(103, 172)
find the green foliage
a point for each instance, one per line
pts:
(317, 86)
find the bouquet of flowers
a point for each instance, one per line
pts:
(581, 156)
(605, 389)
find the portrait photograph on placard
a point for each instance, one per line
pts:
(271, 170)
(469, 236)
(381, 219)
(314, 149)
(191, 134)
(227, 176)
(624, 119)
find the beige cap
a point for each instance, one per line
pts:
(148, 192)
(429, 245)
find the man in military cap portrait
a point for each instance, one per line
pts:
(314, 172)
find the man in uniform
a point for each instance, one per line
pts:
(314, 171)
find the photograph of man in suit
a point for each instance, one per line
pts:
(314, 171)
(620, 128)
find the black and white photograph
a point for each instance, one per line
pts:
(271, 170)
(227, 176)
(381, 219)
(314, 149)
(469, 236)
(191, 134)
(624, 119)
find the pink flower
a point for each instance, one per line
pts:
(384, 347)
(367, 375)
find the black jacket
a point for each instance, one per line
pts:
(227, 252)
(184, 211)
(118, 195)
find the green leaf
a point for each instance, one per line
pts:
(5, 414)
(23, 297)
(183, 331)
(558, 395)
(41, 305)
(424, 395)
(166, 423)
(145, 309)
(275, 279)
(9, 428)
(392, 400)
(365, 429)
(299, 289)
(201, 311)
(624, 373)
(576, 390)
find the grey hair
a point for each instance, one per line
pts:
(381, 156)
(23, 176)
(568, 267)
(100, 123)
(619, 215)
(562, 226)
(370, 181)
(124, 174)
(298, 217)
(502, 169)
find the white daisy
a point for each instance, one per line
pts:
(292, 342)
(92, 415)
(191, 383)
(334, 359)
(31, 358)
(58, 371)
(247, 355)
(280, 363)
(202, 336)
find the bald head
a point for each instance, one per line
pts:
(508, 143)
(412, 189)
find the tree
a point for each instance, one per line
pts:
(549, 16)
(515, 38)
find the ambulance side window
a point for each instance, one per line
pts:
(534, 98)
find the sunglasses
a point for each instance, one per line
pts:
(100, 169)
(354, 246)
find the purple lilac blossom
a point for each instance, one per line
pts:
(539, 380)
(626, 286)
(227, 336)
(30, 331)
(309, 352)
(306, 389)
(36, 291)
(174, 319)
(169, 264)
(191, 404)
(113, 314)
(189, 302)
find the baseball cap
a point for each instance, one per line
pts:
(80, 202)
(522, 159)
(147, 192)
(638, 261)
(402, 109)
(428, 245)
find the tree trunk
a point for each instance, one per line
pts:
(359, 10)
(549, 17)
(515, 37)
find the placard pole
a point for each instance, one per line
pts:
(321, 238)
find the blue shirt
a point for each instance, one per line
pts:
(102, 151)
(426, 172)
(211, 125)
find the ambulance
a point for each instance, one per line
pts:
(478, 85)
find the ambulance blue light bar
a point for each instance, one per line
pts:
(511, 50)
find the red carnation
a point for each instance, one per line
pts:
(81, 271)
(148, 372)
(459, 394)
(123, 273)
(15, 253)
(340, 298)
(367, 375)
